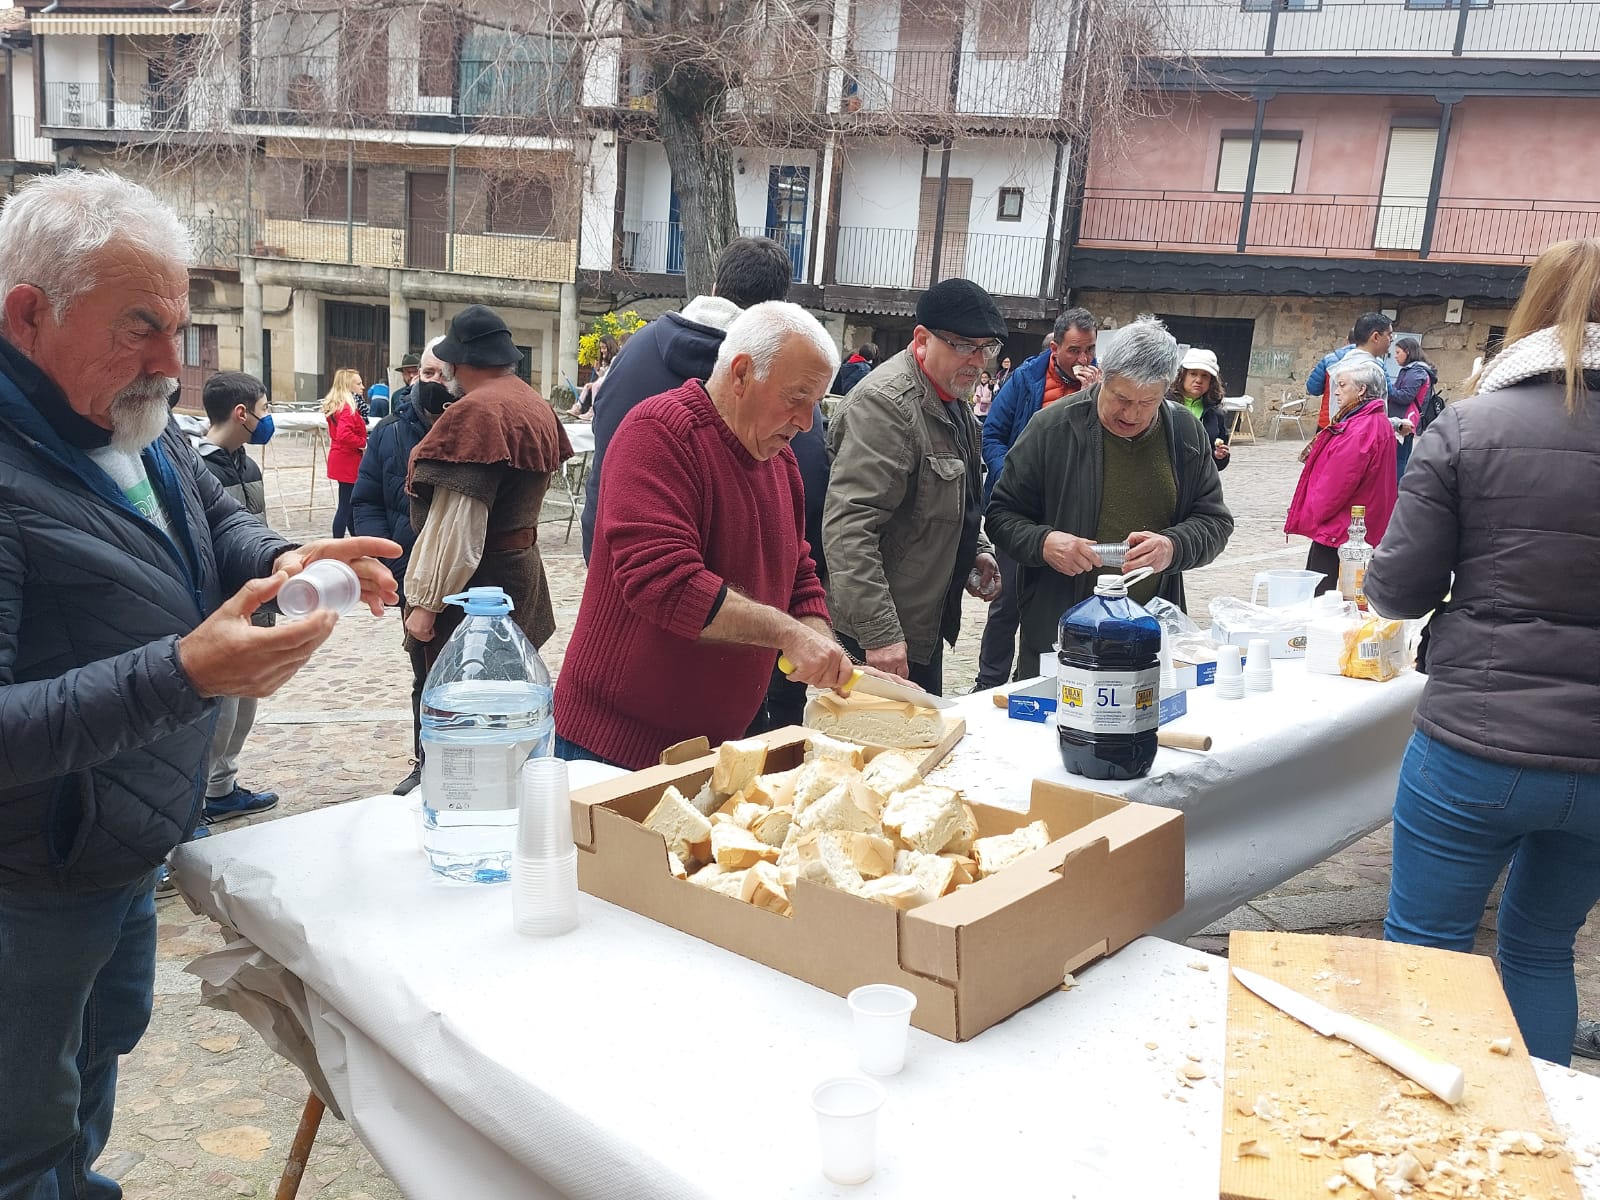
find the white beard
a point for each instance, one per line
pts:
(139, 413)
(447, 376)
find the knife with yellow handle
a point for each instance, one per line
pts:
(876, 685)
(1444, 1080)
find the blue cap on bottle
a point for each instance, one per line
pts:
(483, 601)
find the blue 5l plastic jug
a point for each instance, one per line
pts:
(1109, 670)
(487, 707)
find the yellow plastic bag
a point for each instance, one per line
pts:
(1375, 649)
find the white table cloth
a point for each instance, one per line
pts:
(1294, 775)
(630, 1060)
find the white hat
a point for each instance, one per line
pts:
(1201, 360)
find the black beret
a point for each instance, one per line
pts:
(477, 338)
(961, 307)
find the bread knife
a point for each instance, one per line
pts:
(876, 685)
(1444, 1080)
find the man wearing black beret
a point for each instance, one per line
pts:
(901, 524)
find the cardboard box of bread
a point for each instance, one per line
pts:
(839, 865)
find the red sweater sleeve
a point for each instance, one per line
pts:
(651, 516)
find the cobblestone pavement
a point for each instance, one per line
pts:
(204, 1109)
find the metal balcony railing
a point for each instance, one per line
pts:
(1002, 264)
(1464, 228)
(134, 107)
(1556, 29)
(424, 246)
(321, 86)
(218, 241)
(656, 247)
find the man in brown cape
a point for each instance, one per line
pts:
(477, 480)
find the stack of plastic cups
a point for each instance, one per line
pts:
(544, 869)
(1258, 667)
(1229, 683)
(325, 583)
(1169, 677)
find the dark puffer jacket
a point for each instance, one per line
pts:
(1497, 512)
(102, 737)
(380, 505)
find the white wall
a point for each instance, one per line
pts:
(72, 58)
(597, 212)
(29, 146)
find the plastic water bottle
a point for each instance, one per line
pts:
(1108, 657)
(487, 707)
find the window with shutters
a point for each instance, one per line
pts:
(522, 206)
(325, 193)
(1275, 165)
(1407, 180)
(1003, 27)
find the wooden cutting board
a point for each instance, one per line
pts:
(1298, 1107)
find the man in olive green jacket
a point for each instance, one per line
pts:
(1118, 464)
(901, 527)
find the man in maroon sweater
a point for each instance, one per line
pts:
(700, 572)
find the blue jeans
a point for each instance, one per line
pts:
(1458, 819)
(77, 975)
(572, 752)
(1402, 454)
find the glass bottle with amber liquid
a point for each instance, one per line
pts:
(1355, 556)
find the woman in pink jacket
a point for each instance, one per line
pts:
(1350, 462)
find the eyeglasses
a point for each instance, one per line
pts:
(967, 349)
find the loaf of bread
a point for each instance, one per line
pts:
(738, 764)
(872, 719)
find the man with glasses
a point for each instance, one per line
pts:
(1118, 464)
(1061, 372)
(901, 522)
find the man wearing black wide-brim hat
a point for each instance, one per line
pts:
(906, 497)
(477, 481)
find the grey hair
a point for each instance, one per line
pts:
(761, 330)
(52, 228)
(1369, 373)
(1143, 353)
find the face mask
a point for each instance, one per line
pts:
(433, 396)
(262, 433)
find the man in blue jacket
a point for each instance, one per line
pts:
(381, 507)
(1061, 371)
(128, 578)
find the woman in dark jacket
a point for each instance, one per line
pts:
(1198, 388)
(1408, 393)
(1495, 534)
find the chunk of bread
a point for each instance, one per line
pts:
(714, 878)
(891, 772)
(816, 779)
(820, 858)
(705, 800)
(772, 826)
(820, 745)
(686, 829)
(735, 848)
(675, 865)
(934, 873)
(962, 842)
(965, 869)
(871, 855)
(740, 812)
(837, 810)
(764, 889)
(998, 852)
(775, 790)
(924, 818)
(899, 891)
(863, 718)
(738, 764)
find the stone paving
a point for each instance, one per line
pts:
(205, 1109)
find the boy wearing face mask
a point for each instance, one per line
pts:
(239, 409)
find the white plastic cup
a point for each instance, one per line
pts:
(544, 819)
(1229, 665)
(419, 823)
(847, 1127)
(881, 1021)
(326, 583)
(1259, 657)
(544, 895)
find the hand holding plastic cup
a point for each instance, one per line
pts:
(325, 583)
(847, 1126)
(880, 1014)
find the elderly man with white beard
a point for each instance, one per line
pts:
(127, 582)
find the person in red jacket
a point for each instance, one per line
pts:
(347, 438)
(700, 571)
